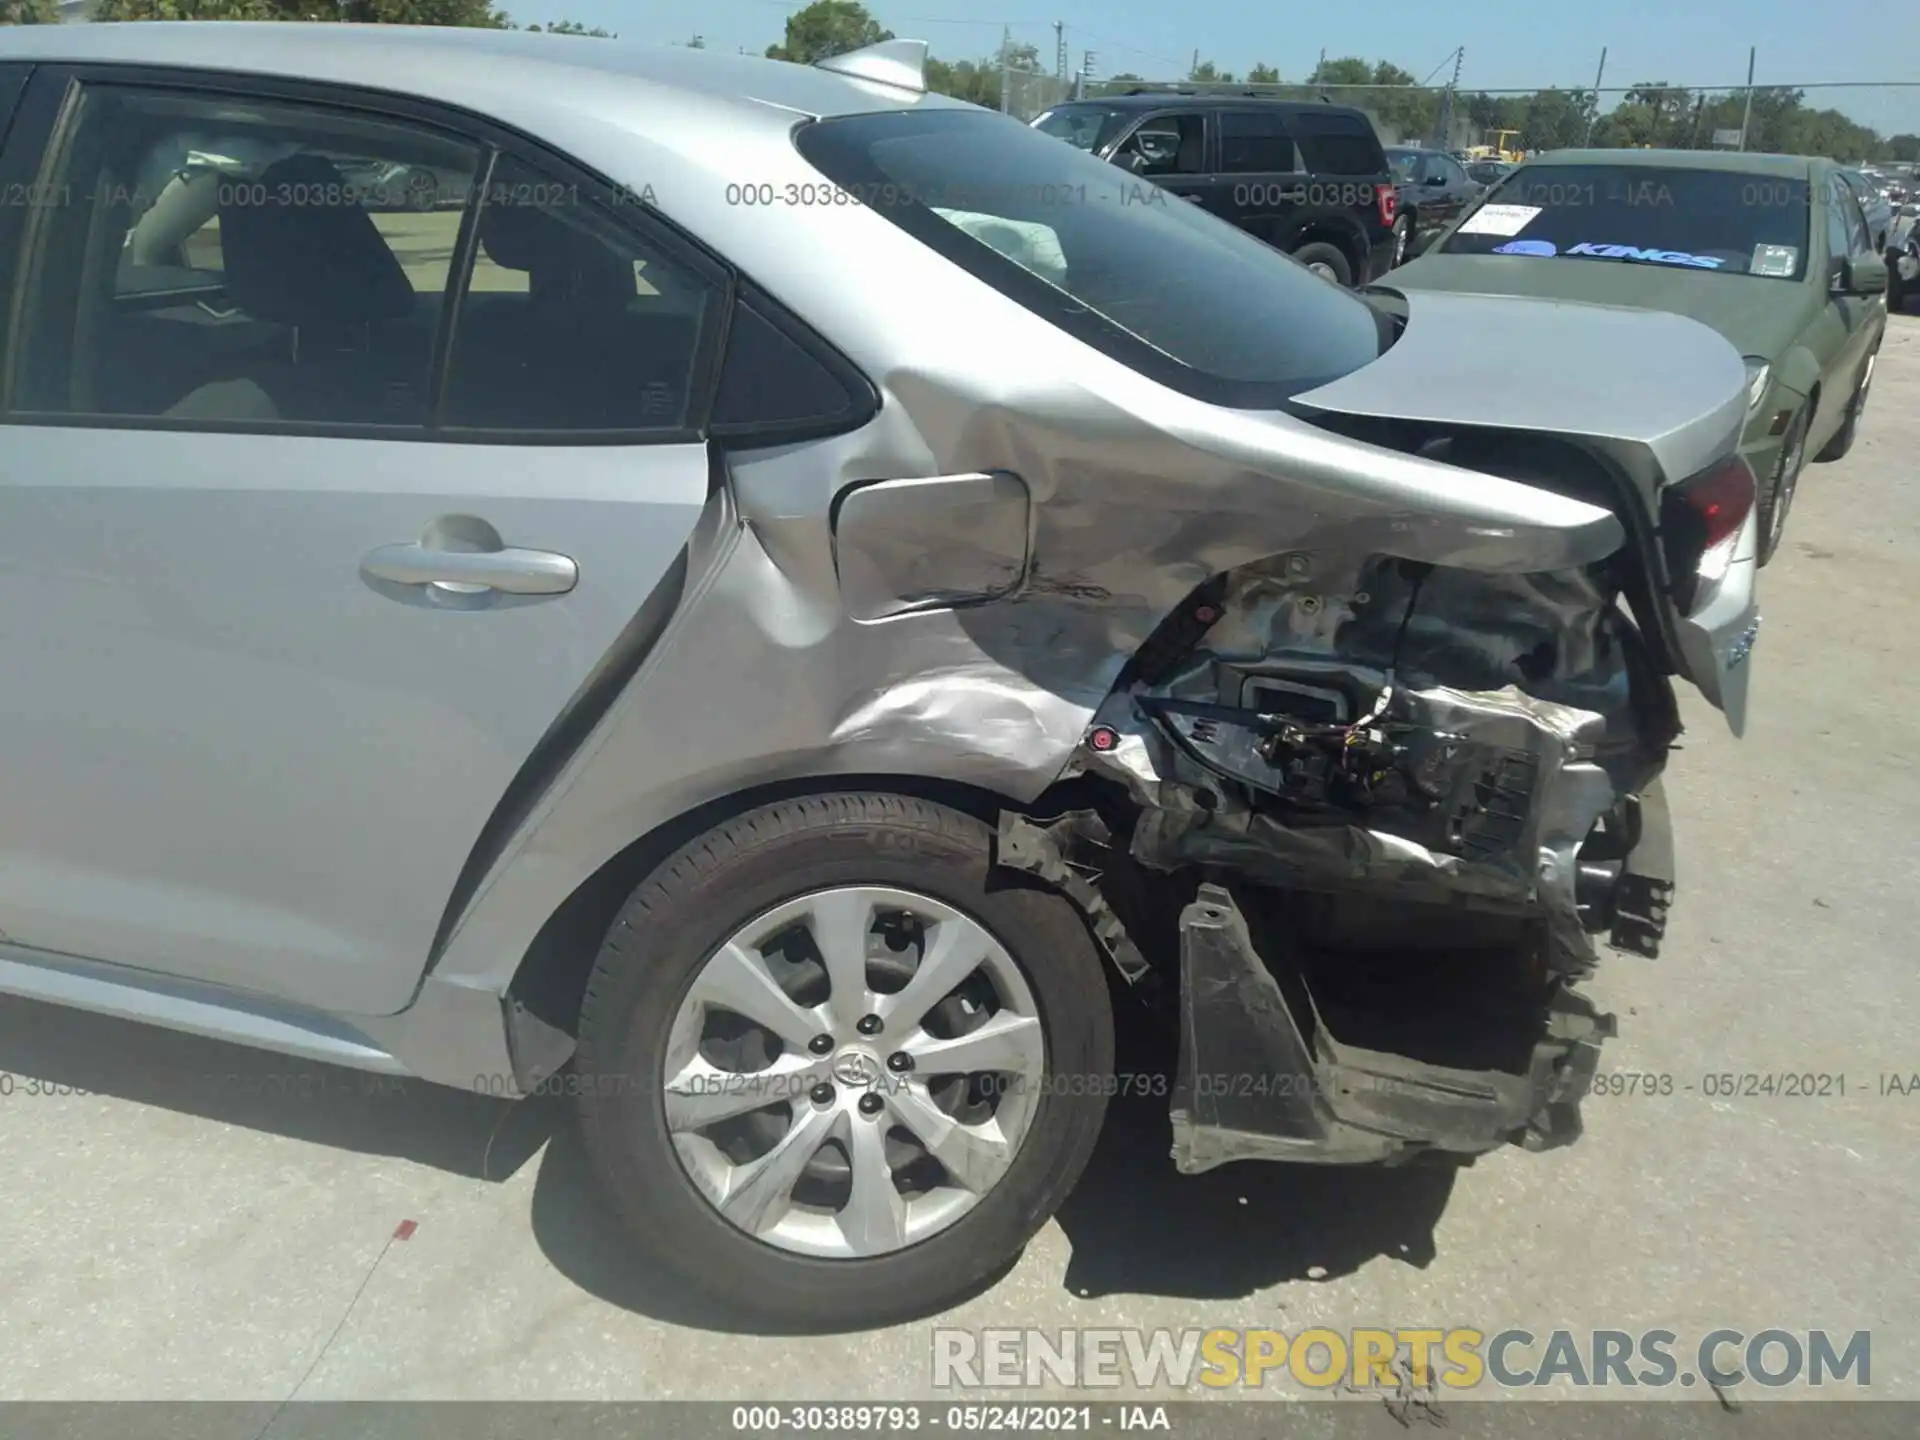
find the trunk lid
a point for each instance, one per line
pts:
(1663, 395)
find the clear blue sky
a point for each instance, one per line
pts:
(1508, 43)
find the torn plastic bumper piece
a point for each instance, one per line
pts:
(1252, 1086)
(1065, 853)
(1646, 885)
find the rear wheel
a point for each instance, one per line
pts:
(1843, 438)
(832, 1075)
(1402, 238)
(1329, 262)
(1778, 496)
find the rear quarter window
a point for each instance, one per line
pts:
(1339, 144)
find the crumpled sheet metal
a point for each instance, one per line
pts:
(1137, 495)
(1175, 828)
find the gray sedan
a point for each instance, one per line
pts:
(788, 602)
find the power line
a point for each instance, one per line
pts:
(1113, 44)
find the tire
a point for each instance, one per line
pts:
(1402, 238)
(1329, 261)
(1843, 438)
(637, 998)
(423, 192)
(1777, 499)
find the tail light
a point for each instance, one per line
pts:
(1389, 204)
(1700, 523)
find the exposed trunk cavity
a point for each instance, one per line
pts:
(1397, 802)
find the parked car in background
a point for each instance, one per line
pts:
(1875, 204)
(1903, 259)
(1771, 250)
(1434, 188)
(383, 184)
(1488, 172)
(451, 646)
(1311, 180)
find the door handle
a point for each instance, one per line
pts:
(512, 572)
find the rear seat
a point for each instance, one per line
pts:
(324, 270)
(574, 352)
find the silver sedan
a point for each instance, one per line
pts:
(781, 600)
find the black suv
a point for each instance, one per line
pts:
(1311, 179)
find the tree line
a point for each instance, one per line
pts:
(473, 13)
(1650, 114)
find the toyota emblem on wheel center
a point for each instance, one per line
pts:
(856, 1067)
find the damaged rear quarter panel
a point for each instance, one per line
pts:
(1136, 496)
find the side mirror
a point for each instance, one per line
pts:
(1865, 275)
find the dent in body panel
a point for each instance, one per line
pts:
(947, 540)
(1134, 498)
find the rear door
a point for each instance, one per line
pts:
(1455, 189)
(296, 578)
(1348, 168)
(1851, 325)
(1264, 179)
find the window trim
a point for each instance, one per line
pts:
(65, 83)
(759, 434)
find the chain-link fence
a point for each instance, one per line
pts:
(1028, 94)
(1875, 123)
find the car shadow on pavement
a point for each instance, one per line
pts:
(1134, 1224)
(1138, 1227)
(72, 1054)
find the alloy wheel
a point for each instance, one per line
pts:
(853, 1071)
(1786, 476)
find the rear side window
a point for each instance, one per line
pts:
(1160, 285)
(576, 318)
(1255, 142)
(779, 383)
(1339, 142)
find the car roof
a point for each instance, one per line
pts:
(1734, 162)
(1156, 99)
(477, 69)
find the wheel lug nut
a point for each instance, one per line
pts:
(868, 1025)
(870, 1104)
(820, 1044)
(821, 1094)
(899, 1062)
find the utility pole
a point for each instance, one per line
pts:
(1593, 118)
(1746, 115)
(1446, 101)
(1006, 70)
(1085, 76)
(1323, 63)
(1194, 68)
(1060, 50)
